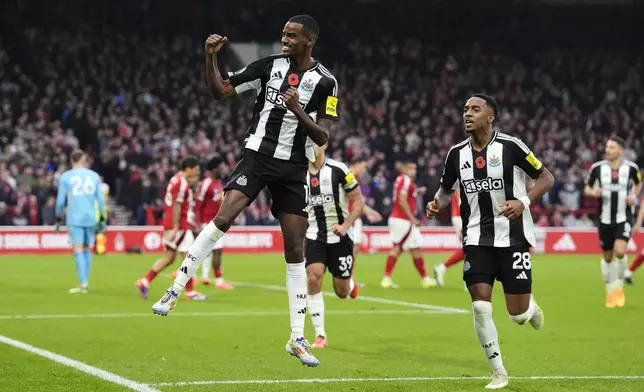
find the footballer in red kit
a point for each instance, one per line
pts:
(459, 255)
(403, 226)
(210, 194)
(178, 223)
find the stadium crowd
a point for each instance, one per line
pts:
(132, 94)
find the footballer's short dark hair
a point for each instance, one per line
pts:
(213, 163)
(620, 141)
(189, 162)
(489, 101)
(308, 23)
(358, 159)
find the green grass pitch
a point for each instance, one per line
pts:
(240, 335)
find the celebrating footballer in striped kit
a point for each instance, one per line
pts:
(493, 170)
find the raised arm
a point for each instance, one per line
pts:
(218, 87)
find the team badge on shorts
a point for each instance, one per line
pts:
(242, 181)
(466, 266)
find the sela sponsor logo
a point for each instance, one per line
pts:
(485, 185)
(319, 200)
(274, 96)
(613, 188)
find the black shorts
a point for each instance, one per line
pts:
(609, 233)
(285, 180)
(510, 266)
(338, 258)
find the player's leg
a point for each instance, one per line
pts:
(419, 263)
(220, 283)
(357, 242)
(88, 244)
(77, 237)
(479, 275)
(608, 268)
(399, 231)
(171, 240)
(456, 257)
(290, 201)
(637, 262)
(190, 293)
(316, 256)
(240, 191)
(341, 265)
(623, 235)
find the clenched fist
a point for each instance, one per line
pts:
(214, 43)
(292, 99)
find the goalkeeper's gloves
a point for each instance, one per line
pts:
(59, 221)
(101, 226)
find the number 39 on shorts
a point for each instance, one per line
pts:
(522, 261)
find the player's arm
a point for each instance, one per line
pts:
(100, 199)
(218, 87)
(636, 177)
(61, 197)
(327, 111)
(526, 161)
(590, 189)
(371, 214)
(446, 189)
(640, 218)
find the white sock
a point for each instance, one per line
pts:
(487, 334)
(441, 268)
(315, 305)
(628, 273)
(219, 281)
(205, 270)
(352, 284)
(197, 253)
(622, 265)
(296, 283)
(527, 315)
(608, 272)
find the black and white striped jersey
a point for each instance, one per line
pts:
(328, 200)
(616, 184)
(275, 131)
(498, 173)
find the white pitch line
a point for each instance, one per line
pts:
(443, 309)
(205, 314)
(395, 379)
(80, 366)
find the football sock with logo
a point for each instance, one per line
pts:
(81, 268)
(622, 263)
(419, 263)
(639, 259)
(608, 273)
(454, 258)
(487, 334)
(389, 266)
(197, 253)
(296, 290)
(315, 305)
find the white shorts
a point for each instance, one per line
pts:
(219, 245)
(357, 232)
(187, 242)
(402, 232)
(457, 222)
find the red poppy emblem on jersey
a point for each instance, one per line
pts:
(480, 162)
(615, 174)
(293, 80)
(315, 182)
